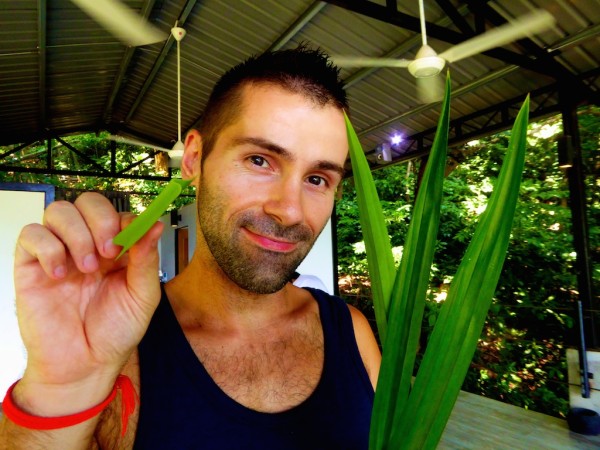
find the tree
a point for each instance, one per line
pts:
(96, 149)
(521, 355)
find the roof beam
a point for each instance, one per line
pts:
(140, 162)
(125, 61)
(463, 89)
(298, 25)
(408, 22)
(187, 9)
(41, 22)
(82, 173)
(82, 155)
(15, 150)
(547, 64)
(301, 21)
(500, 117)
(456, 15)
(385, 14)
(395, 52)
(96, 170)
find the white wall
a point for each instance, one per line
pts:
(319, 262)
(167, 241)
(17, 209)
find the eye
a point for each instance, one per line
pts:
(317, 181)
(258, 160)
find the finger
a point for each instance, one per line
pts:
(36, 244)
(65, 221)
(127, 219)
(142, 269)
(103, 221)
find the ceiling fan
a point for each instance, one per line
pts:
(133, 30)
(121, 21)
(176, 152)
(427, 64)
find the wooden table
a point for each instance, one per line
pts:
(482, 423)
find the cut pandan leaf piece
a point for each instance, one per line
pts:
(142, 223)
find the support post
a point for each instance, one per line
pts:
(577, 202)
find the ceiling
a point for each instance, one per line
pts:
(61, 73)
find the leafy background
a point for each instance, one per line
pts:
(521, 356)
(97, 148)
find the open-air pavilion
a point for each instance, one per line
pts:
(61, 73)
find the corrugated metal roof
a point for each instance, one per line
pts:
(62, 73)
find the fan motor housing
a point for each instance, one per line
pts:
(428, 66)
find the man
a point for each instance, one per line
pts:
(232, 356)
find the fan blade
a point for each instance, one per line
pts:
(121, 21)
(365, 61)
(525, 25)
(430, 89)
(125, 140)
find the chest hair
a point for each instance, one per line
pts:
(271, 371)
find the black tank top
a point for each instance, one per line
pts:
(183, 408)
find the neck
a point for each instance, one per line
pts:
(202, 293)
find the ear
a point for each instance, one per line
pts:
(190, 162)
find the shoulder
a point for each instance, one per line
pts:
(367, 344)
(360, 322)
(365, 339)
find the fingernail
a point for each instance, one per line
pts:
(90, 262)
(110, 248)
(60, 272)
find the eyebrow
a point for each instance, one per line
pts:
(286, 154)
(329, 166)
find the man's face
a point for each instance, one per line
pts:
(267, 188)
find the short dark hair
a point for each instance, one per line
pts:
(302, 69)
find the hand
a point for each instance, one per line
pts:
(81, 313)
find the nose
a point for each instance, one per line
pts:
(285, 202)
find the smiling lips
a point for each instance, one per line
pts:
(269, 243)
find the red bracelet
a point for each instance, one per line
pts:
(129, 399)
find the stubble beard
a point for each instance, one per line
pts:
(251, 267)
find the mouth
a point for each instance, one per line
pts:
(270, 243)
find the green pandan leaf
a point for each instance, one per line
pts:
(375, 233)
(142, 223)
(458, 327)
(412, 415)
(410, 290)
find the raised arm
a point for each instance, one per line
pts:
(81, 314)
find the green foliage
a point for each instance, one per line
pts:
(413, 414)
(521, 354)
(392, 183)
(377, 242)
(96, 148)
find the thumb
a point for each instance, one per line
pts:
(142, 268)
